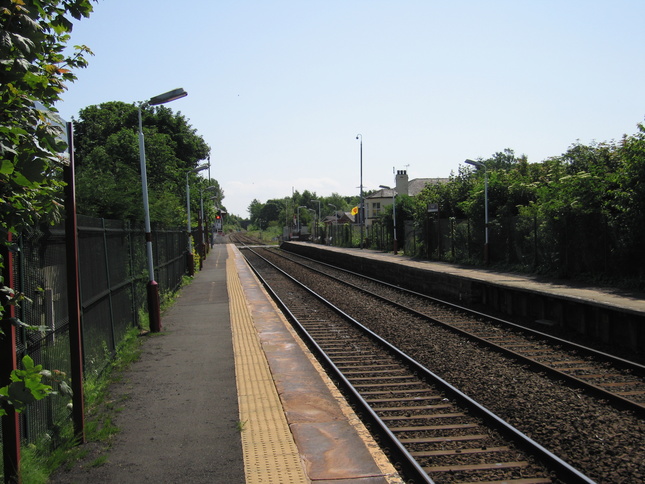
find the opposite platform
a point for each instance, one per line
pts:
(607, 315)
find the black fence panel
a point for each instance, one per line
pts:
(40, 274)
(555, 245)
(113, 276)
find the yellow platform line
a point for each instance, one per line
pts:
(270, 453)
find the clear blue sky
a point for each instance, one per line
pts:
(280, 89)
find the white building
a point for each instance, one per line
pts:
(377, 201)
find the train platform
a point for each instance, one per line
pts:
(227, 393)
(604, 315)
(608, 296)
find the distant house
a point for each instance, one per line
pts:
(377, 201)
(339, 218)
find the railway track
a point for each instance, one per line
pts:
(615, 379)
(434, 432)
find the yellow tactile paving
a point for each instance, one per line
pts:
(270, 453)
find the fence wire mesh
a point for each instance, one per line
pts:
(557, 246)
(113, 277)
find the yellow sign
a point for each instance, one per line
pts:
(354, 210)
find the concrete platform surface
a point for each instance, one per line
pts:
(227, 393)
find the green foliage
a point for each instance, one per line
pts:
(26, 387)
(39, 460)
(108, 163)
(284, 211)
(583, 210)
(34, 70)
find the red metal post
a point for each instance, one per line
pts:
(8, 363)
(154, 306)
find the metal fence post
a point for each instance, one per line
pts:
(108, 281)
(73, 293)
(8, 363)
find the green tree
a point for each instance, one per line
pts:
(34, 70)
(108, 173)
(255, 210)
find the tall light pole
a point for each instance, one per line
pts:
(154, 308)
(190, 261)
(480, 166)
(205, 233)
(318, 201)
(395, 243)
(361, 210)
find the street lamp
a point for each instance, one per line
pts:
(154, 309)
(480, 165)
(318, 201)
(395, 243)
(190, 260)
(203, 225)
(361, 211)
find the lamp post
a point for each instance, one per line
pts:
(395, 243)
(154, 310)
(205, 232)
(318, 201)
(480, 165)
(190, 261)
(361, 211)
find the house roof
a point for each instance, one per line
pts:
(383, 193)
(344, 218)
(415, 186)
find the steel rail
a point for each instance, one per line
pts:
(631, 365)
(618, 400)
(410, 466)
(564, 470)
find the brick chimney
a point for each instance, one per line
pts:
(401, 182)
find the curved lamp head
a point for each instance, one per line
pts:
(476, 164)
(199, 168)
(167, 97)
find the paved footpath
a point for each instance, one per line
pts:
(179, 417)
(227, 394)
